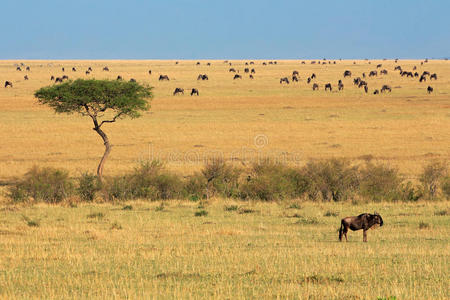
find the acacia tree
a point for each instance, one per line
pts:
(104, 101)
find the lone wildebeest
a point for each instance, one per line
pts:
(163, 77)
(8, 83)
(347, 73)
(25, 77)
(386, 88)
(433, 76)
(429, 89)
(363, 221)
(328, 86)
(237, 76)
(284, 79)
(194, 92)
(315, 86)
(178, 91)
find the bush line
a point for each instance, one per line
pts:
(327, 180)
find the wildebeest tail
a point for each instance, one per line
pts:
(340, 231)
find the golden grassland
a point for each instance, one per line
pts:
(238, 251)
(405, 128)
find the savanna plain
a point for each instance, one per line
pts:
(225, 248)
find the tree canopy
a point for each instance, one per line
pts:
(104, 101)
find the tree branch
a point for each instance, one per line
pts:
(111, 121)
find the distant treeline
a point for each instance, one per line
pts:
(326, 180)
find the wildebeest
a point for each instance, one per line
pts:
(25, 77)
(89, 69)
(198, 63)
(415, 68)
(386, 88)
(366, 89)
(363, 221)
(362, 83)
(58, 79)
(105, 69)
(379, 66)
(149, 72)
(328, 86)
(74, 69)
(284, 79)
(340, 86)
(163, 77)
(87, 72)
(119, 77)
(252, 71)
(315, 86)
(356, 81)
(52, 77)
(425, 73)
(18, 69)
(8, 83)
(132, 80)
(422, 78)
(62, 69)
(232, 70)
(347, 73)
(294, 78)
(202, 77)
(308, 80)
(194, 92)
(208, 64)
(246, 70)
(237, 76)
(384, 72)
(433, 76)
(398, 68)
(429, 89)
(416, 74)
(376, 92)
(373, 73)
(364, 75)
(264, 64)
(65, 77)
(28, 68)
(178, 91)
(295, 73)
(250, 76)
(313, 76)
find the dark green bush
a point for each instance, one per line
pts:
(88, 186)
(195, 187)
(409, 192)
(380, 182)
(446, 187)
(221, 179)
(42, 184)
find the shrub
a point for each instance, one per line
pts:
(432, 176)
(195, 187)
(333, 179)
(409, 192)
(221, 179)
(201, 213)
(88, 186)
(445, 186)
(42, 184)
(379, 182)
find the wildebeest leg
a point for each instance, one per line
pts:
(364, 235)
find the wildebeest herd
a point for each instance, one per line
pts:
(358, 81)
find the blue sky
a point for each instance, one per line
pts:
(233, 29)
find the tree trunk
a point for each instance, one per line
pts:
(105, 155)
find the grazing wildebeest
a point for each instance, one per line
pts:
(364, 75)
(416, 74)
(65, 77)
(232, 70)
(58, 79)
(340, 86)
(295, 73)
(250, 76)
(246, 70)
(119, 77)
(132, 80)
(52, 78)
(90, 69)
(366, 89)
(163, 77)
(176, 62)
(28, 68)
(426, 73)
(347, 73)
(208, 64)
(422, 78)
(18, 69)
(328, 86)
(373, 73)
(303, 62)
(429, 89)
(398, 68)
(202, 77)
(415, 68)
(379, 66)
(198, 63)
(62, 69)
(149, 72)
(376, 92)
(294, 78)
(308, 80)
(363, 221)
(25, 77)
(105, 69)
(73, 69)
(356, 81)
(252, 63)
(87, 72)
(313, 76)
(194, 92)
(315, 87)
(384, 72)
(362, 83)
(433, 76)
(252, 71)
(246, 63)
(284, 79)
(410, 74)
(237, 76)
(178, 91)
(386, 88)
(264, 64)
(8, 83)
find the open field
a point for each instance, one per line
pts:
(237, 119)
(238, 251)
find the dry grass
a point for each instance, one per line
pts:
(405, 128)
(148, 253)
